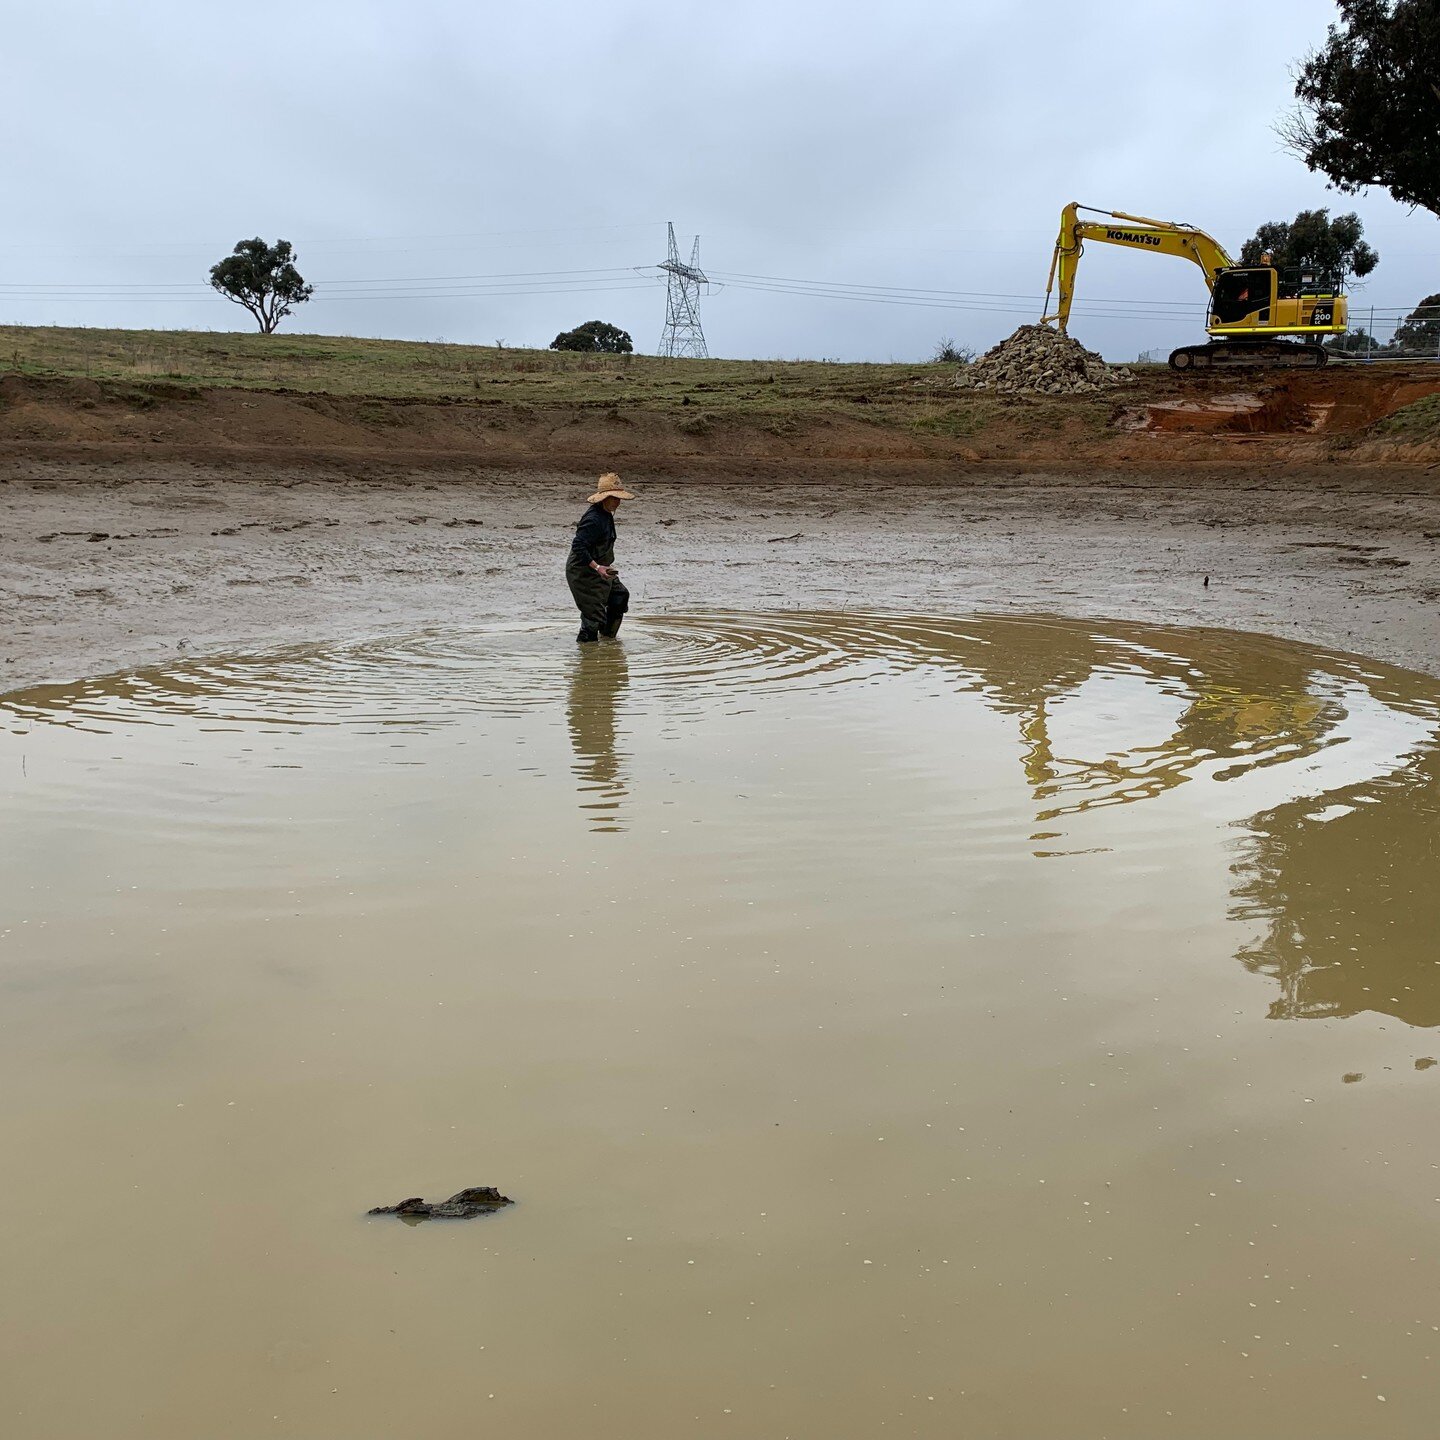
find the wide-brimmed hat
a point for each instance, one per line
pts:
(610, 489)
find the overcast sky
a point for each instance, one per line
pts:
(919, 144)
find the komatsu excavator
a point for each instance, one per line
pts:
(1252, 307)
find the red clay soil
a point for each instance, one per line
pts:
(1343, 399)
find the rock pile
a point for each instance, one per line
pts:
(1038, 359)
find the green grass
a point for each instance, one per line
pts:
(702, 397)
(1412, 424)
(957, 422)
(410, 369)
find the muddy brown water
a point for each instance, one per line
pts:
(886, 1025)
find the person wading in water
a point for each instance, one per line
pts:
(590, 569)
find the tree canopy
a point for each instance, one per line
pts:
(1312, 239)
(1352, 342)
(263, 279)
(1369, 111)
(594, 336)
(1419, 332)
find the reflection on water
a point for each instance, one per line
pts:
(598, 683)
(1223, 716)
(850, 1003)
(1347, 895)
(1104, 716)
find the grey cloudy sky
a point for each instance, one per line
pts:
(914, 144)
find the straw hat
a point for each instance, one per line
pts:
(610, 488)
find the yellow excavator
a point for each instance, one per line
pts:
(1252, 307)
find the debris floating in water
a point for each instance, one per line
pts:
(462, 1205)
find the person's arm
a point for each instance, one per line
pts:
(588, 534)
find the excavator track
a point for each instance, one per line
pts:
(1250, 354)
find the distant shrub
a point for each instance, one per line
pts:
(947, 352)
(594, 337)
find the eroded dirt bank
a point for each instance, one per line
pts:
(108, 566)
(1344, 414)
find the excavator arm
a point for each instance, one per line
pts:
(1133, 232)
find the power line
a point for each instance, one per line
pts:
(207, 247)
(625, 271)
(682, 335)
(987, 302)
(212, 298)
(497, 285)
(999, 305)
(915, 290)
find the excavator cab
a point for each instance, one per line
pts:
(1259, 302)
(1243, 297)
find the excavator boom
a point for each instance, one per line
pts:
(1134, 232)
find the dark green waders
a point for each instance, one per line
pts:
(602, 603)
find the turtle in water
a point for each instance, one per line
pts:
(477, 1200)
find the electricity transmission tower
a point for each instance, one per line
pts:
(682, 336)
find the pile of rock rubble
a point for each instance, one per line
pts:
(1039, 360)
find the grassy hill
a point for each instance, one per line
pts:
(414, 369)
(192, 392)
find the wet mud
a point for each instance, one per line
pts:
(892, 1021)
(112, 566)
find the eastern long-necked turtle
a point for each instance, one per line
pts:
(462, 1205)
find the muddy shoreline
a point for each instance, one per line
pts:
(107, 567)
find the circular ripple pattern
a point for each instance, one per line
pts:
(1248, 696)
(423, 680)
(1097, 715)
